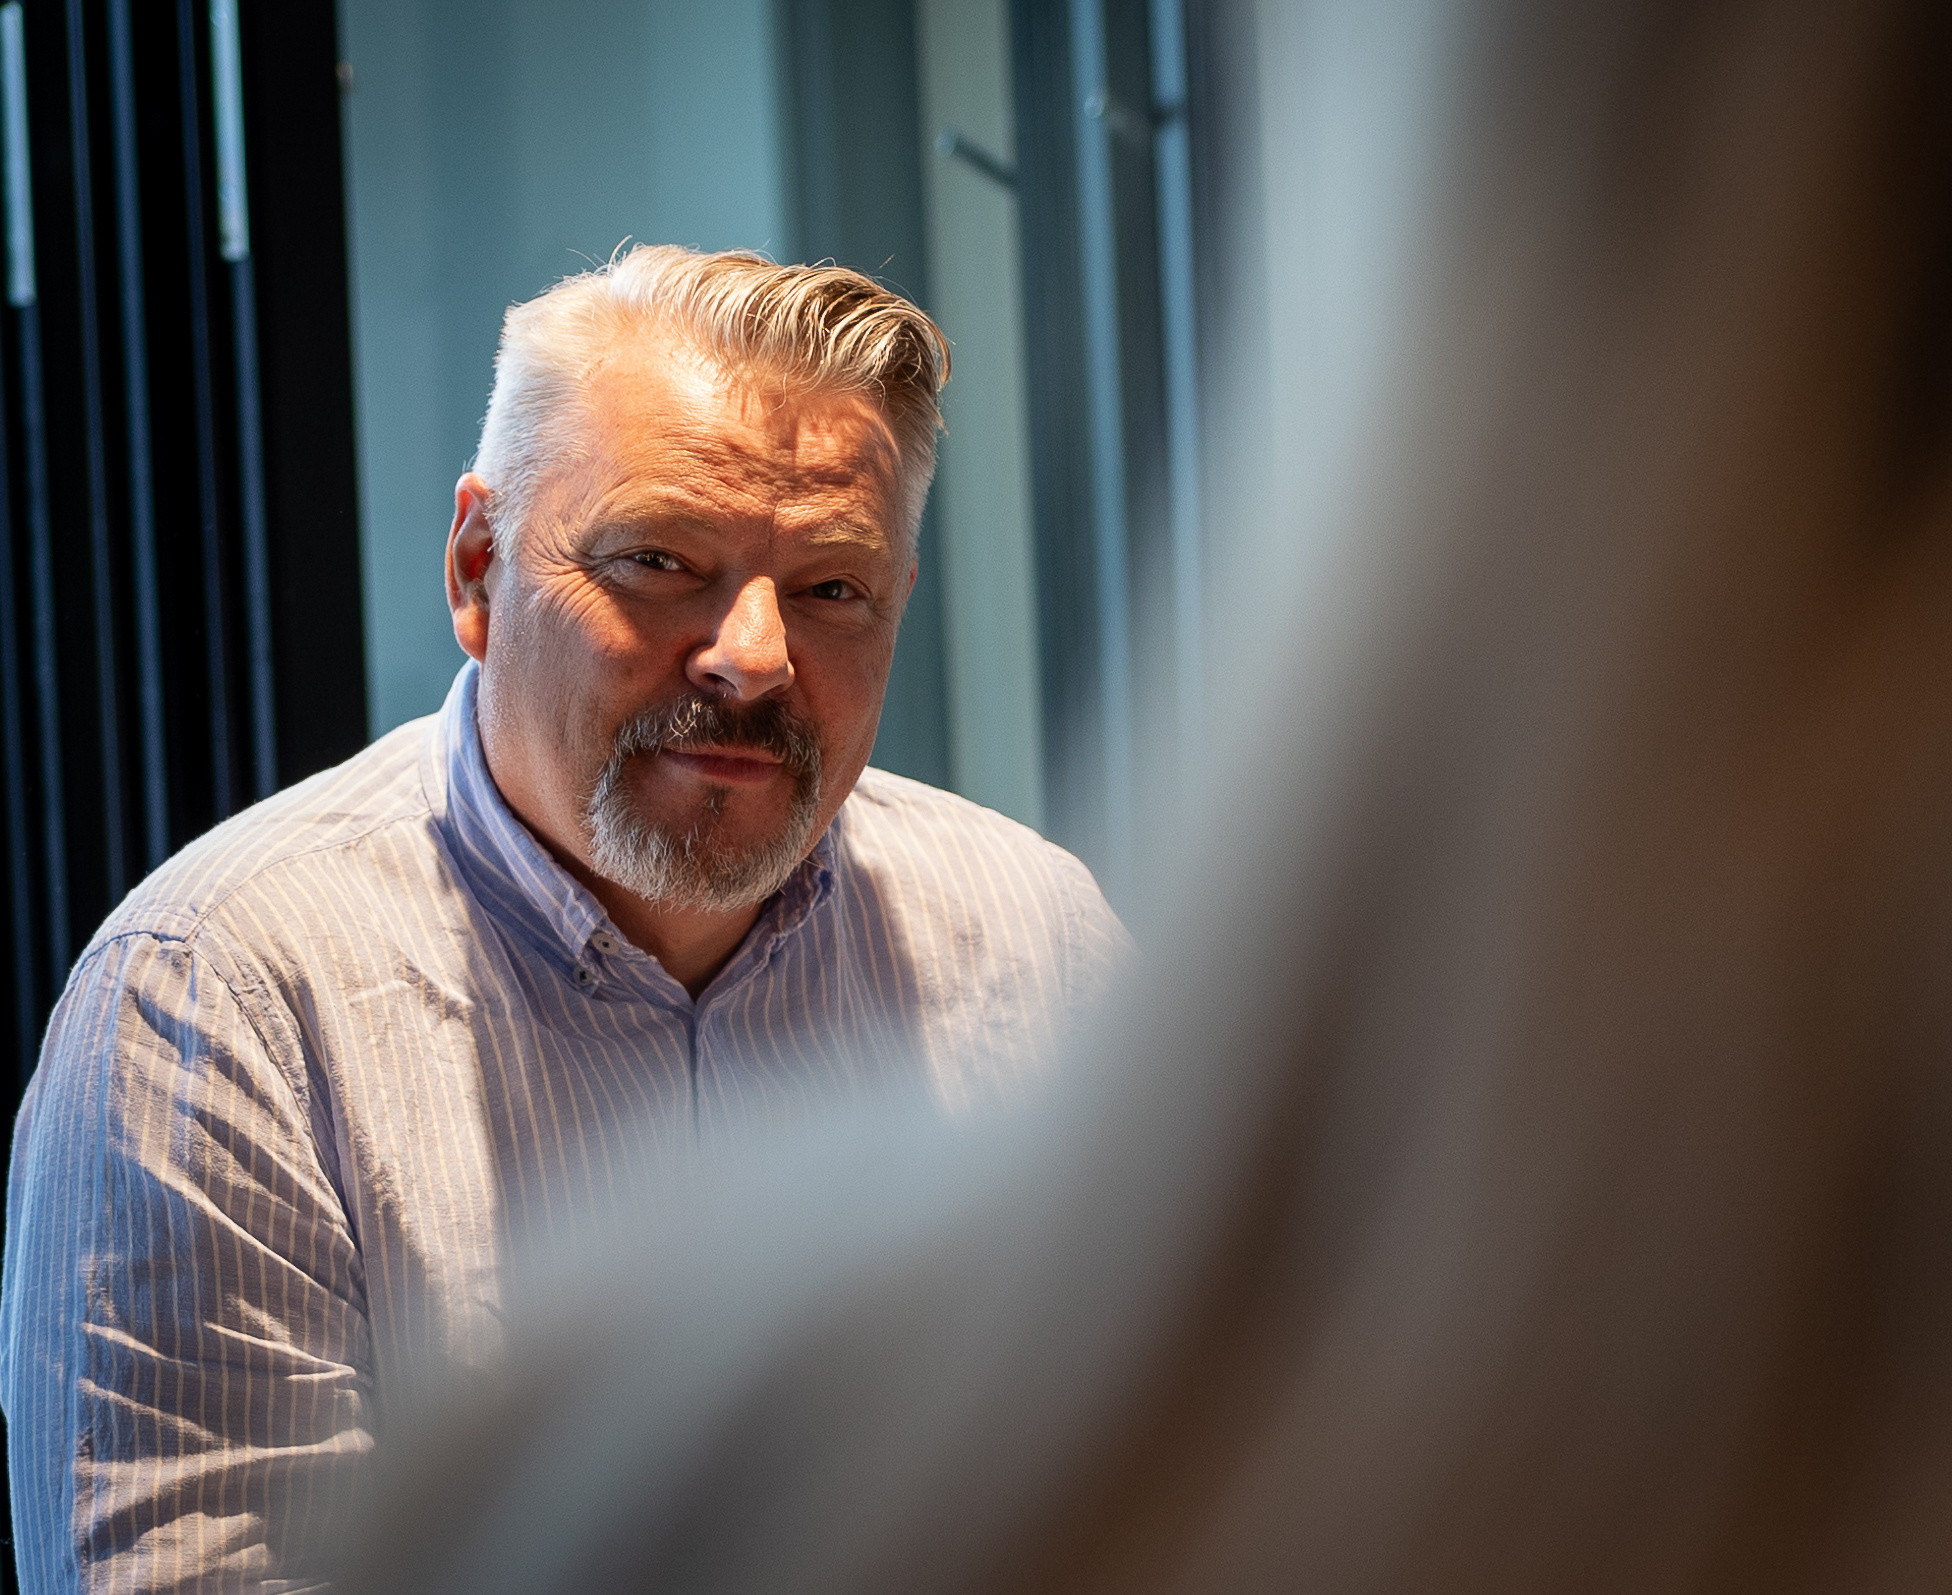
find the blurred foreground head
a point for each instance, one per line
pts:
(1530, 1167)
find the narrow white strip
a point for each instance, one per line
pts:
(19, 183)
(227, 86)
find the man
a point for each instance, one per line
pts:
(1529, 1163)
(631, 888)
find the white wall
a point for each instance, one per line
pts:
(492, 146)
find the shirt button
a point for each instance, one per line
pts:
(585, 977)
(604, 942)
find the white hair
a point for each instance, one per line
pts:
(820, 328)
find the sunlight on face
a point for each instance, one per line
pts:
(685, 670)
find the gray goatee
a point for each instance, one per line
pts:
(696, 868)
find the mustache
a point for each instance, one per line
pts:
(695, 721)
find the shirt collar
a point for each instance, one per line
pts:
(534, 896)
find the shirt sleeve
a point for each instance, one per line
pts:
(183, 1341)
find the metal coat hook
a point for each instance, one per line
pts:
(1127, 124)
(952, 143)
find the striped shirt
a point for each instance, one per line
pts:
(310, 1079)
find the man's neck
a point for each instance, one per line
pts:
(692, 944)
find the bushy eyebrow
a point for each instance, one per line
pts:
(834, 533)
(646, 519)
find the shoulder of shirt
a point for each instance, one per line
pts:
(378, 788)
(889, 819)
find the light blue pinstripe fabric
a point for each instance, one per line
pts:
(310, 1077)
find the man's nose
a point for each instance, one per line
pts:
(746, 657)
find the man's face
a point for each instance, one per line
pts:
(683, 662)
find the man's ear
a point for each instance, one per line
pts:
(470, 562)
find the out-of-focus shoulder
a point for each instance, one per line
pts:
(883, 800)
(891, 820)
(989, 903)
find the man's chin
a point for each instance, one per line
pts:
(688, 856)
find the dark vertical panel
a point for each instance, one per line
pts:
(1059, 445)
(193, 99)
(857, 145)
(47, 666)
(1229, 256)
(13, 766)
(1141, 335)
(855, 159)
(63, 658)
(142, 497)
(176, 467)
(234, 228)
(257, 558)
(304, 329)
(103, 566)
(161, 410)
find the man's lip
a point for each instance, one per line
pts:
(726, 764)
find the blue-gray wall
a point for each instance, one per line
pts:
(495, 145)
(492, 146)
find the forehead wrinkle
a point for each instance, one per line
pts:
(753, 444)
(694, 475)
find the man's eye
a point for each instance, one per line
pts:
(657, 559)
(836, 588)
